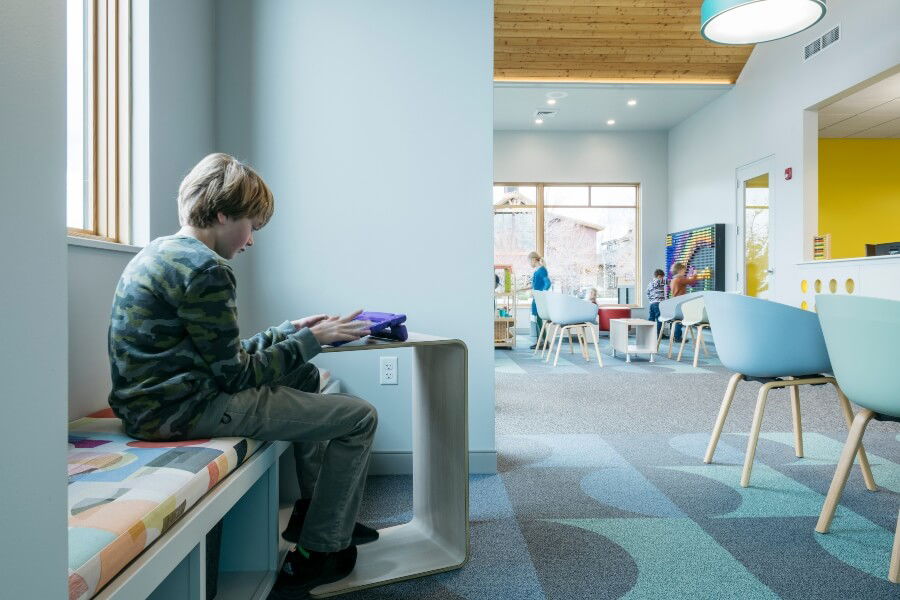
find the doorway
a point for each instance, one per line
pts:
(755, 229)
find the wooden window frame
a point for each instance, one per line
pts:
(539, 220)
(108, 127)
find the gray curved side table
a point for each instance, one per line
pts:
(437, 537)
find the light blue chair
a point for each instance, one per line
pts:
(861, 335)
(572, 315)
(670, 313)
(779, 346)
(540, 302)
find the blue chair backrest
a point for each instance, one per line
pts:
(671, 307)
(762, 338)
(862, 335)
(569, 310)
(540, 301)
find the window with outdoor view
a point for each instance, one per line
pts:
(97, 119)
(587, 234)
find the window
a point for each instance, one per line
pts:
(587, 234)
(98, 123)
(515, 231)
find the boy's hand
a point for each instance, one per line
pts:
(308, 321)
(340, 329)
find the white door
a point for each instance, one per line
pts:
(755, 232)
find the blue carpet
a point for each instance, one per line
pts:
(602, 492)
(641, 517)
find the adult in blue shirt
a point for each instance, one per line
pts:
(540, 281)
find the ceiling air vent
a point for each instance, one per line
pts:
(544, 114)
(831, 37)
(814, 47)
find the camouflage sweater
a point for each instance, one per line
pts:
(174, 349)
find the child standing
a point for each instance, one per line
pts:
(656, 293)
(180, 371)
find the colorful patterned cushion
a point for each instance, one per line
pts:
(124, 493)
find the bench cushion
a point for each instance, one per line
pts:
(124, 493)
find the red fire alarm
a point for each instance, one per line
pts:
(788, 173)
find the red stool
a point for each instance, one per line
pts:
(605, 313)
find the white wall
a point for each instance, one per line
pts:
(373, 129)
(596, 157)
(173, 113)
(33, 554)
(764, 115)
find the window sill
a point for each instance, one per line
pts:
(101, 244)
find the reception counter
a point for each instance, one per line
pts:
(876, 276)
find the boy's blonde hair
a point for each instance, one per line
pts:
(220, 183)
(679, 266)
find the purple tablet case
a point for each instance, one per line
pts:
(384, 325)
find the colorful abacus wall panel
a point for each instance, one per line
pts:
(702, 249)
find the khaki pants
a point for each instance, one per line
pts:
(332, 435)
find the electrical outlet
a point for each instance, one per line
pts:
(388, 370)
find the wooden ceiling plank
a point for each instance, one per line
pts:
(601, 3)
(615, 47)
(608, 40)
(598, 12)
(616, 40)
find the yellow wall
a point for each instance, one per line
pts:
(859, 193)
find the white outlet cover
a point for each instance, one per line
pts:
(387, 372)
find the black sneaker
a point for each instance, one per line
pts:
(301, 572)
(532, 347)
(361, 533)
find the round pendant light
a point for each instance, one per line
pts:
(755, 21)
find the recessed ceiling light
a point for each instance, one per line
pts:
(556, 95)
(611, 122)
(538, 121)
(632, 102)
(551, 101)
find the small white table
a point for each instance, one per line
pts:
(644, 334)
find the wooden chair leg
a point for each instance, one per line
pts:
(659, 335)
(798, 427)
(720, 420)
(863, 458)
(548, 339)
(672, 336)
(697, 343)
(754, 433)
(684, 337)
(549, 348)
(562, 335)
(595, 336)
(584, 343)
(843, 469)
(537, 344)
(894, 569)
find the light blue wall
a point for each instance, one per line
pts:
(373, 127)
(33, 554)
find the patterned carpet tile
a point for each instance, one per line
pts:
(639, 516)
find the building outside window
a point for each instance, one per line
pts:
(588, 235)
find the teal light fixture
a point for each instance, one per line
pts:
(755, 21)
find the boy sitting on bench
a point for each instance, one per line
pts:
(180, 371)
